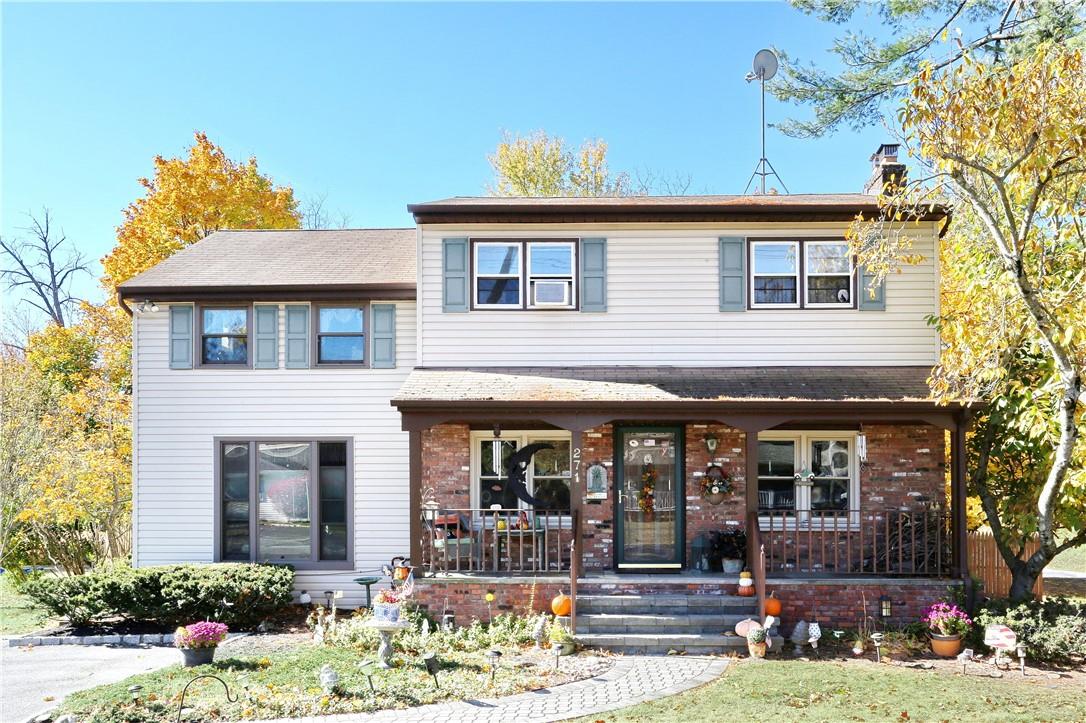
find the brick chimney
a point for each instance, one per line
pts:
(885, 169)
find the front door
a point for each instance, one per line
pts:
(649, 499)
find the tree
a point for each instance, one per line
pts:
(44, 267)
(543, 165)
(314, 215)
(188, 199)
(1005, 145)
(878, 69)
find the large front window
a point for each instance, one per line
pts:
(524, 274)
(547, 477)
(224, 336)
(284, 501)
(807, 475)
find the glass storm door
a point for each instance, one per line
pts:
(649, 503)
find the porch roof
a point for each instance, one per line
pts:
(662, 384)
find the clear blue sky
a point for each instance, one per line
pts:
(381, 105)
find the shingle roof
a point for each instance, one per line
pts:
(666, 384)
(241, 260)
(775, 200)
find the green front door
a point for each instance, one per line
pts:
(649, 499)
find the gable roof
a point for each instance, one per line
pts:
(284, 261)
(768, 207)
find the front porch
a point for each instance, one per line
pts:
(842, 492)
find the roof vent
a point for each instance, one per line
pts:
(885, 169)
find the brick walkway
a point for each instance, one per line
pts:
(633, 679)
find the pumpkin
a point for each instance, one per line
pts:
(561, 605)
(746, 591)
(772, 605)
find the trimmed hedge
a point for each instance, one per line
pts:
(1053, 629)
(238, 594)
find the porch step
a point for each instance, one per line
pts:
(666, 604)
(663, 643)
(634, 623)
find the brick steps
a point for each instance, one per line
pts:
(665, 603)
(633, 623)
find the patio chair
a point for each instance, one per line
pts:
(453, 540)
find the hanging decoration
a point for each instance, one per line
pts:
(647, 499)
(715, 484)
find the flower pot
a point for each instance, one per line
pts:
(756, 650)
(386, 612)
(714, 498)
(564, 648)
(191, 657)
(946, 646)
(732, 566)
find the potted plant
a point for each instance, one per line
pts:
(197, 642)
(386, 606)
(561, 639)
(947, 624)
(732, 548)
(716, 484)
(756, 641)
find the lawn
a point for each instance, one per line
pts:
(18, 613)
(793, 690)
(285, 683)
(1073, 559)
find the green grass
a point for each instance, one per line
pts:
(1073, 559)
(787, 690)
(18, 613)
(285, 684)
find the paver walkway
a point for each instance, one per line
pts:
(633, 679)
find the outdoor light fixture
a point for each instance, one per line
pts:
(497, 430)
(492, 656)
(147, 305)
(711, 443)
(557, 653)
(876, 638)
(328, 598)
(1020, 649)
(432, 666)
(861, 445)
(365, 666)
(886, 607)
(134, 692)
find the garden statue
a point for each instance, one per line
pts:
(539, 633)
(329, 679)
(799, 637)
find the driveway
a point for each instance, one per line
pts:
(34, 679)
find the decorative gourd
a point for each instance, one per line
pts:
(772, 605)
(746, 591)
(561, 605)
(746, 573)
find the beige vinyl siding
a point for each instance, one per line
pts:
(663, 309)
(181, 412)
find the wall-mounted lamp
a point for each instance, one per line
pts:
(497, 431)
(886, 607)
(711, 443)
(147, 305)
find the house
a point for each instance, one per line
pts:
(566, 373)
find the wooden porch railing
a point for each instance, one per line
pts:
(914, 543)
(496, 541)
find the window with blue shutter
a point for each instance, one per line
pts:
(733, 273)
(383, 335)
(454, 261)
(297, 336)
(870, 299)
(593, 274)
(266, 332)
(180, 337)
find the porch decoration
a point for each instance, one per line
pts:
(596, 481)
(947, 624)
(386, 605)
(756, 642)
(730, 547)
(647, 499)
(773, 605)
(561, 605)
(746, 584)
(329, 679)
(561, 639)
(516, 470)
(197, 642)
(799, 637)
(716, 484)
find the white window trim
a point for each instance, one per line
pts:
(803, 441)
(571, 277)
(521, 437)
(753, 273)
(519, 275)
(807, 274)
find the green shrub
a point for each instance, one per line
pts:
(507, 631)
(238, 594)
(1053, 630)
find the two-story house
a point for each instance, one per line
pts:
(590, 390)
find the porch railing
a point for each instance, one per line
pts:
(914, 543)
(496, 541)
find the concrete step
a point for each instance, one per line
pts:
(663, 643)
(668, 604)
(622, 622)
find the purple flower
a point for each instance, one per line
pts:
(200, 635)
(946, 619)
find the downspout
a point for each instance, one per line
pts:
(120, 302)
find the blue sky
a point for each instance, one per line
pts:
(380, 105)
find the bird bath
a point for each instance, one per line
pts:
(386, 630)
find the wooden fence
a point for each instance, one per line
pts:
(987, 564)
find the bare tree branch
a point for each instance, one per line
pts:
(45, 267)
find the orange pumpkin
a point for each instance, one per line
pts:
(561, 605)
(746, 591)
(772, 605)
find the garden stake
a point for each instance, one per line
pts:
(364, 665)
(432, 666)
(181, 704)
(492, 656)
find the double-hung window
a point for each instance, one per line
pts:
(801, 274)
(285, 501)
(807, 476)
(524, 274)
(224, 336)
(341, 334)
(547, 477)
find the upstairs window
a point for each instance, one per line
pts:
(801, 274)
(524, 275)
(775, 269)
(341, 337)
(829, 273)
(224, 336)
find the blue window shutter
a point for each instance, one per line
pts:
(180, 337)
(454, 262)
(383, 334)
(266, 336)
(870, 299)
(297, 336)
(733, 273)
(593, 274)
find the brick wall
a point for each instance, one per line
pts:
(466, 599)
(701, 516)
(842, 605)
(904, 461)
(598, 525)
(446, 456)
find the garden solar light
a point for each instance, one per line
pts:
(1020, 649)
(432, 666)
(876, 638)
(328, 598)
(557, 653)
(365, 666)
(492, 656)
(134, 692)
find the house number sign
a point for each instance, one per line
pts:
(596, 482)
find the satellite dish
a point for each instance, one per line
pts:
(765, 64)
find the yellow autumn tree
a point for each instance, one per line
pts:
(190, 198)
